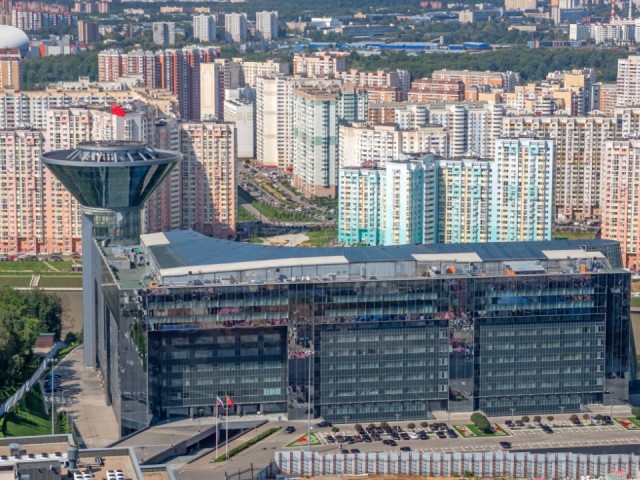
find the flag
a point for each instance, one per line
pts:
(230, 402)
(118, 111)
(219, 401)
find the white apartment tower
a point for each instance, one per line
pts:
(204, 28)
(235, 27)
(164, 33)
(522, 190)
(628, 85)
(266, 26)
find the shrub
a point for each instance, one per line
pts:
(335, 429)
(525, 419)
(573, 417)
(537, 418)
(247, 444)
(371, 426)
(586, 416)
(598, 417)
(424, 424)
(635, 411)
(384, 424)
(411, 426)
(358, 427)
(550, 418)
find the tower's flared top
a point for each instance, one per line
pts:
(111, 175)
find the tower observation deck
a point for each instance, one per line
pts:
(111, 181)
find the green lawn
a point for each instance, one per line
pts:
(302, 441)
(244, 215)
(478, 433)
(574, 234)
(29, 266)
(60, 281)
(273, 213)
(635, 301)
(320, 238)
(15, 280)
(29, 418)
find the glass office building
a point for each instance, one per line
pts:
(361, 334)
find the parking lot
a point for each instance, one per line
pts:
(531, 437)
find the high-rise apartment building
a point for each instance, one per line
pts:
(428, 90)
(266, 26)
(209, 178)
(397, 79)
(463, 192)
(204, 27)
(365, 143)
(315, 135)
(505, 81)
(10, 68)
(620, 194)
(251, 71)
(319, 64)
(404, 201)
(241, 114)
(521, 190)
(235, 27)
(215, 78)
(87, 32)
(360, 205)
(164, 33)
(578, 143)
(274, 121)
(628, 83)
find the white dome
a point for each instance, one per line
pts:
(12, 37)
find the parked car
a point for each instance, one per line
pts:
(290, 429)
(509, 423)
(440, 434)
(423, 436)
(405, 449)
(452, 433)
(505, 445)
(330, 439)
(56, 258)
(355, 450)
(547, 429)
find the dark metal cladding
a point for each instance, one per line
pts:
(111, 175)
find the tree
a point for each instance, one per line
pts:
(411, 426)
(371, 426)
(525, 419)
(358, 427)
(481, 422)
(537, 418)
(335, 429)
(384, 424)
(24, 315)
(424, 424)
(550, 418)
(598, 417)
(573, 417)
(635, 411)
(586, 417)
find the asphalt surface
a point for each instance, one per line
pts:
(596, 439)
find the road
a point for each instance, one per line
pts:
(592, 437)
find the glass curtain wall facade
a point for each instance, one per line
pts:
(369, 349)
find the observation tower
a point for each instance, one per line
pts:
(111, 181)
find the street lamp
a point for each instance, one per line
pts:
(513, 413)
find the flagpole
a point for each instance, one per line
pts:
(226, 442)
(217, 429)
